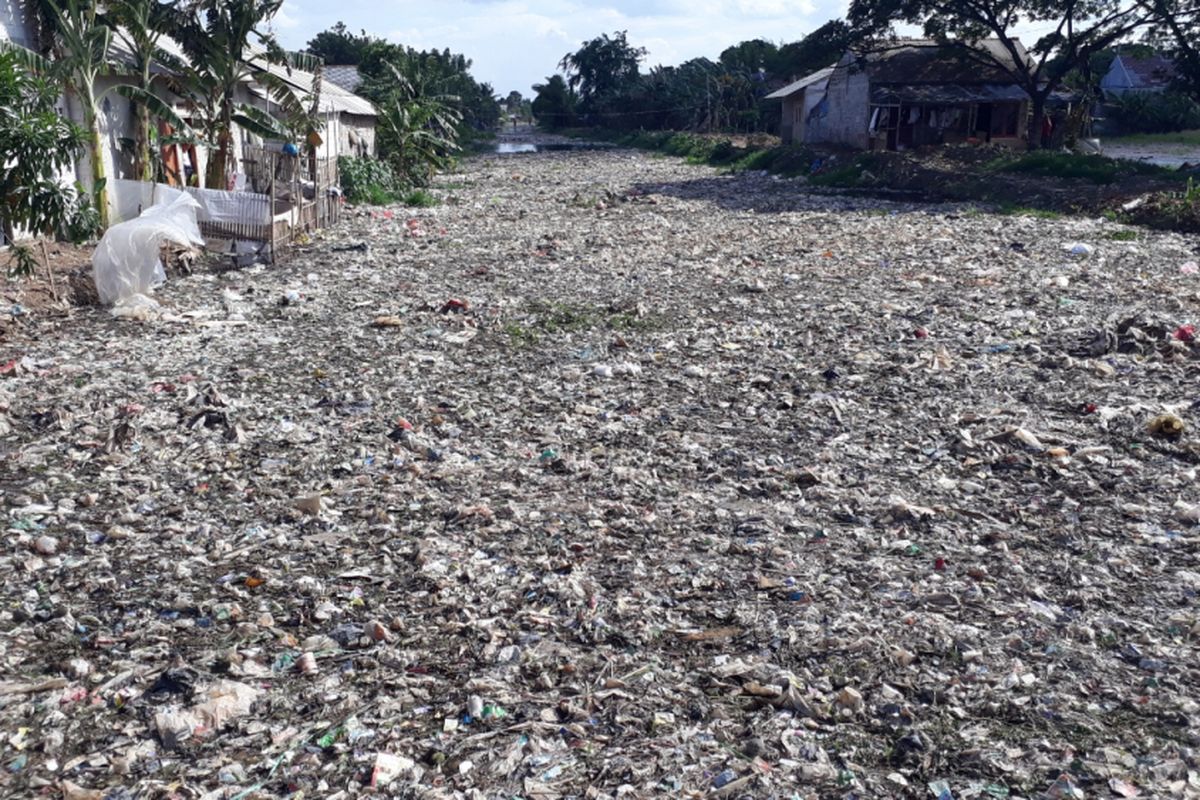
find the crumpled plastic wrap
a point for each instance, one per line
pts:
(126, 262)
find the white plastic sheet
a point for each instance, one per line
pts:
(237, 207)
(126, 262)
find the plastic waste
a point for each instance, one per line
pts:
(126, 262)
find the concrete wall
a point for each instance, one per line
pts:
(364, 130)
(115, 117)
(848, 98)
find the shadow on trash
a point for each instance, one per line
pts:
(769, 196)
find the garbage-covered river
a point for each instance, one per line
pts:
(611, 476)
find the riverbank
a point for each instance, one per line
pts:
(1133, 190)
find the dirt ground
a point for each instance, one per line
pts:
(65, 284)
(612, 476)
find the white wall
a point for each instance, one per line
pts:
(13, 23)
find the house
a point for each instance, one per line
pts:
(908, 94)
(347, 120)
(798, 101)
(1139, 75)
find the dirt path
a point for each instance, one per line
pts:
(612, 476)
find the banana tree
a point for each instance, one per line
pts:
(140, 24)
(217, 38)
(81, 52)
(418, 132)
(80, 42)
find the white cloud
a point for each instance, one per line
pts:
(288, 17)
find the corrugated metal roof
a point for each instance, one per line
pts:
(119, 52)
(945, 93)
(333, 97)
(1153, 72)
(803, 83)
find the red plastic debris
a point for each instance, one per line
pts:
(1186, 333)
(940, 565)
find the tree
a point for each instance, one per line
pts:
(755, 55)
(433, 72)
(512, 104)
(216, 36)
(140, 24)
(339, 46)
(1177, 28)
(602, 69)
(417, 132)
(554, 103)
(819, 49)
(79, 53)
(36, 144)
(1080, 28)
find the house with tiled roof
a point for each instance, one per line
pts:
(1143, 75)
(346, 76)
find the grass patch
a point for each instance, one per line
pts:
(1025, 211)
(844, 177)
(419, 198)
(557, 318)
(1122, 236)
(1092, 168)
(520, 336)
(564, 317)
(1191, 138)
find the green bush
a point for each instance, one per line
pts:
(1164, 112)
(1093, 168)
(419, 198)
(367, 180)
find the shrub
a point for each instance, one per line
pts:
(419, 198)
(367, 180)
(1155, 112)
(1092, 168)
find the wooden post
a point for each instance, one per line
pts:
(271, 202)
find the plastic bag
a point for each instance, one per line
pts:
(126, 261)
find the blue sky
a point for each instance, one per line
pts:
(516, 43)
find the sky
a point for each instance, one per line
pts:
(517, 43)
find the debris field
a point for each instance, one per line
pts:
(613, 476)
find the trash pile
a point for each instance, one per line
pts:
(614, 477)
